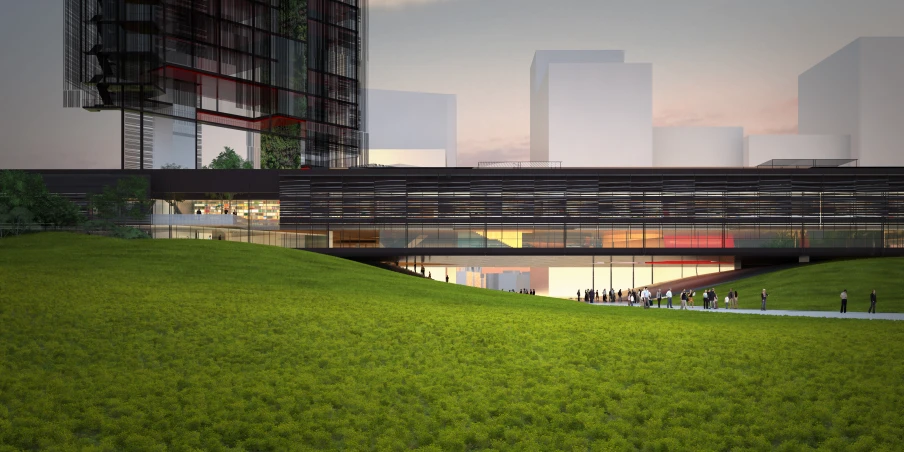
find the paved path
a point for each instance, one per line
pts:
(824, 314)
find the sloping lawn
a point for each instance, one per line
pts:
(817, 287)
(206, 345)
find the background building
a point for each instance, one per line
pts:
(409, 128)
(858, 91)
(290, 70)
(759, 149)
(591, 109)
(698, 147)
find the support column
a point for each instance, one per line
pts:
(253, 146)
(140, 136)
(122, 125)
(198, 162)
(611, 286)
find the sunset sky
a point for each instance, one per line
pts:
(715, 62)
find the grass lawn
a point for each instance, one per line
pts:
(817, 287)
(204, 345)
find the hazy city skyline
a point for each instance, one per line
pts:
(727, 63)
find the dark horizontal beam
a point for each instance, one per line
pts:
(191, 184)
(736, 252)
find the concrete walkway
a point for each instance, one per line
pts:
(823, 314)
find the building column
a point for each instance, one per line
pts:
(253, 148)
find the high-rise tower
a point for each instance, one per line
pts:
(291, 70)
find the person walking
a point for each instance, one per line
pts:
(659, 298)
(668, 299)
(844, 301)
(763, 297)
(690, 298)
(736, 299)
(578, 297)
(684, 299)
(872, 302)
(447, 278)
(705, 299)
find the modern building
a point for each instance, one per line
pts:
(412, 129)
(589, 108)
(762, 149)
(858, 91)
(701, 147)
(290, 70)
(615, 227)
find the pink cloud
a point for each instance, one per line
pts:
(776, 119)
(679, 118)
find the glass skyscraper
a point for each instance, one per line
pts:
(291, 70)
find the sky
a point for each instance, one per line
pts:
(715, 63)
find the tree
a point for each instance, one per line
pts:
(228, 159)
(57, 211)
(126, 201)
(25, 201)
(172, 166)
(21, 189)
(14, 221)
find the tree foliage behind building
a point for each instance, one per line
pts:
(26, 205)
(228, 159)
(120, 205)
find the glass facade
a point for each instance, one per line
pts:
(603, 237)
(292, 70)
(389, 212)
(434, 209)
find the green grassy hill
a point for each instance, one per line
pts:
(817, 287)
(204, 345)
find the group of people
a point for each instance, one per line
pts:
(645, 297)
(686, 297)
(525, 291)
(631, 296)
(872, 302)
(593, 296)
(235, 212)
(711, 299)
